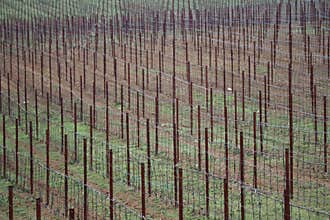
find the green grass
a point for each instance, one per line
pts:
(24, 204)
(120, 155)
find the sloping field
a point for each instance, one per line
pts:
(142, 109)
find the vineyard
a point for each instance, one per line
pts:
(159, 109)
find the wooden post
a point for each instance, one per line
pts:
(211, 113)
(16, 151)
(49, 67)
(315, 117)
(180, 195)
(81, 99)
(226, 145)
(62, 125)
(111, 184)
(207, 194)
(10, 203)
(325, 134)
(59, 80)
(249, 73)
(85, 181)
(206, 89)
(18, 101)
(156, 125)
(48, 112)
(36, 111)
(255, 161)
(328, 56)
(254, 61)
(66, 175)
(121, 111)
(107, 123)
(143, 193)
(128, 150)
(8, 87)
(38, 209)
(243, 96)
(4, 156)
(25, 102)
(191, 107)
(90, 138)
(175, 163)
(1, 91)
(287, 187)
(129, 85)
(143, 94)
(199, 138)
(286, 205)
(94, 106)
(235, 118)
(260, 122)
(115, 73)
(226, 206)
(265, 98)
(71, 214)
(31, 159)
(177, 136)
(216, 66)
(242, 176)
(149, 157)
(75, 131)
(42, 72)
(47, 165)
(138, 117)
(291, 143)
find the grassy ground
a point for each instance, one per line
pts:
(23, 202)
